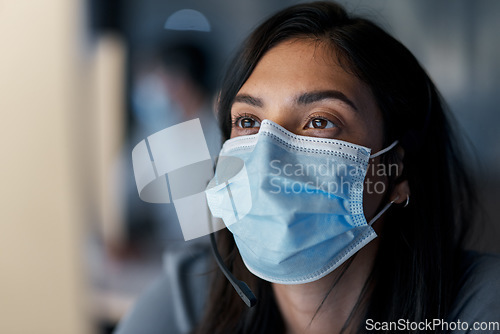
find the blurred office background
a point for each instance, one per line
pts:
(77, 81)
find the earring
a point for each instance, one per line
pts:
(407, 201)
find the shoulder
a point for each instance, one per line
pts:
(481, 272)
(478, 297)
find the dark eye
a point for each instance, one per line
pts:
(247, 123)
(320, 123)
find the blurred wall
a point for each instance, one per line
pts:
(42, 281)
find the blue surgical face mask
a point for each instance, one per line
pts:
(293, 203)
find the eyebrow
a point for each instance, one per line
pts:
(304, 99)
(253, 101)
(316, 96)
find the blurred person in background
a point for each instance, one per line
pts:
(173, 89)
(170, 88)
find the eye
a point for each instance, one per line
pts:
(320, 123)
(247, 123)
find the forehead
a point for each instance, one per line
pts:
(293, 56)
(302, 65)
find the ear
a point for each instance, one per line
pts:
(401, 192)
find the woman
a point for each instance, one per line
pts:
(313, 74)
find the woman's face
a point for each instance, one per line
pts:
(299, 85)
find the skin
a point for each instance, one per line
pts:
(184, 92)
(291, 69)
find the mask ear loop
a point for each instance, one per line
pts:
(386, 207)
(387, 149)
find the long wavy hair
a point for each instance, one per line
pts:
(417, 266)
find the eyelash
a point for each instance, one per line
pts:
(314, 117)
(237, 118)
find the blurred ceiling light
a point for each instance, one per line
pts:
(187, 19)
